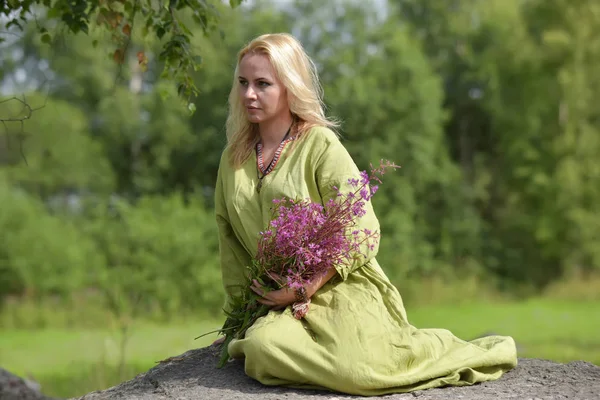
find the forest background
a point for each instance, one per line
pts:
(108, 241)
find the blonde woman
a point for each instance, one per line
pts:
(356, 338)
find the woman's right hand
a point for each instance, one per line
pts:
(219, 341)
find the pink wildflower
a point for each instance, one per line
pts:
(307, 239)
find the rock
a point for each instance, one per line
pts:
(13, 387)
(194, 375)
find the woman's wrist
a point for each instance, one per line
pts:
(318, 282)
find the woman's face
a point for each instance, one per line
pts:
(263, 95)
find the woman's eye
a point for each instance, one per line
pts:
(243, 83)
(263, 83)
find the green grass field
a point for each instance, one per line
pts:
(73, 362)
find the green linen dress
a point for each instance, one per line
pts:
(356, 337)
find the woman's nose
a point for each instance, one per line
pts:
(250, 93)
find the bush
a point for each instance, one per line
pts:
(40, 254)
(161, 255)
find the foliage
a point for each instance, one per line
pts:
(106, 184)
(40, 254)
(518, 125)
(151, 264)
(135, 260)
(488, 106)
(118, 17)
(427, 222)
(54, 153)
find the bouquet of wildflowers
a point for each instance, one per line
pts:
(304, 240)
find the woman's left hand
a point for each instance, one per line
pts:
(276, 299)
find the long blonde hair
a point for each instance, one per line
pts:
(298, 74)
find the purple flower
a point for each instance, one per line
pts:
(364, 178)
(365, 194)
(307, 239)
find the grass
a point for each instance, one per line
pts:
(542, 328)
(71, 362)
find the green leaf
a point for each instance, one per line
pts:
(185, 29)
(83, 27)
(128, 7)
(46, 38)
(192, 108)
(181, 39)
(180, 89)
(149, 22)
(53, 12)
(14, 22)
(164, 94)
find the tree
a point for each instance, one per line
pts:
(520, 88)
(168, 21)
(58, 155)
(379, 83)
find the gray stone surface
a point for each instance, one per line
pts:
(13, 387)
(194, 375)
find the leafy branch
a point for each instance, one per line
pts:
(117, 16)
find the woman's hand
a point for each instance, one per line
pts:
(281, 298)
(276, 299)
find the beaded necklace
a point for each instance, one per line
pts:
(271, 166)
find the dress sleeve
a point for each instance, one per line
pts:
(333, 169)
(233, 256)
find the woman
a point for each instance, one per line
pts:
(356, 337)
